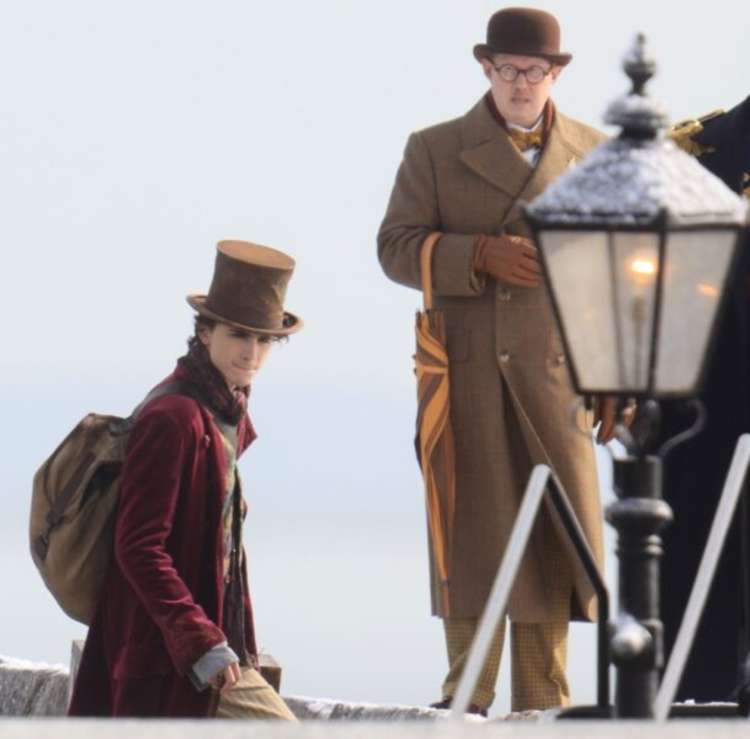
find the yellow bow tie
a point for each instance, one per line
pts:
(526, 139)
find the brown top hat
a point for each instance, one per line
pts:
(523, 31)
(248, 289)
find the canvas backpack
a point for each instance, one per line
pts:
(73, 505)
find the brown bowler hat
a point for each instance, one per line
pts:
(248, 289)
(523, 31)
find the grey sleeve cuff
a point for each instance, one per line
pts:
(210, 664)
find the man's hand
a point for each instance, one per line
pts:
(510, 259)
(227, 678)
(605, 414)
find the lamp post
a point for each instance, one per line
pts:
(637, 243)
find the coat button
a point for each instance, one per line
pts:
(503, 294)
(559, 359)
(504, 357)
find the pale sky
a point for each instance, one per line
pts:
(133, 137)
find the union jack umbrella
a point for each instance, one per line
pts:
(434, 437)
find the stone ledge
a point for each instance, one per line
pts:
(324, 709)
(34, 689)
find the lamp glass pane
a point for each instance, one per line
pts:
(634, 258)
(578, 269)
(696, 268)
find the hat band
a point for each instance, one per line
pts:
(518, 46)
(269, 318)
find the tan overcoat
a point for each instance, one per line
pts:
(512, 403)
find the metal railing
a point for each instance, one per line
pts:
(733, 486)
(542, 481)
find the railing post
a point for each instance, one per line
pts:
(637, 644)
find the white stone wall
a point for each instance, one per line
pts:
(32, 688)
(37, 689)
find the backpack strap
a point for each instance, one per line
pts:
(176, 387)
(189, 390)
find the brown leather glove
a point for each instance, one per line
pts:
(510, 259)
(607, 409)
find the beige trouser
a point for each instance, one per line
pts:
(252, 697)
(539, 654)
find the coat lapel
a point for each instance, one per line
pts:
(558, 155)
(489, 152)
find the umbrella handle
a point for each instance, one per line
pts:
(425, 263)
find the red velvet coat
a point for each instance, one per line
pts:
(164, 594)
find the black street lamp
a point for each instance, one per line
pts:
(636, 244)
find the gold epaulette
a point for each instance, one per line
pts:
(682, 133)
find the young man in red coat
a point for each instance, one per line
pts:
(173, 634)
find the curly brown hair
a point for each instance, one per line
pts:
(201, 321)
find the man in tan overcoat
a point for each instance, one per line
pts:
(512, 403)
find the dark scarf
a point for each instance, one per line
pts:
(548, 114)
(213, 389)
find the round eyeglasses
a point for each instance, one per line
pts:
(534, 75)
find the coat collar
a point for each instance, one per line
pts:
(246, 433)
(488, 151)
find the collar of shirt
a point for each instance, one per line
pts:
(516, 127)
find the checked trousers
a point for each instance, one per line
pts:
(538, 653)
